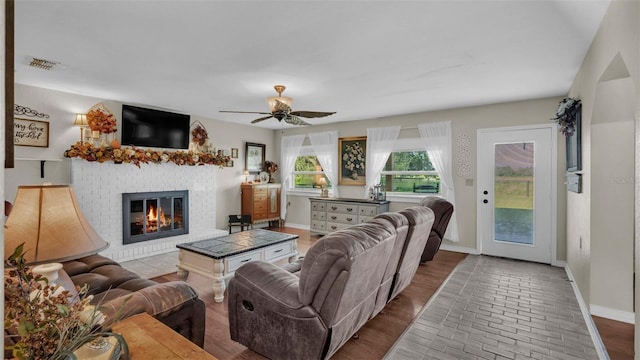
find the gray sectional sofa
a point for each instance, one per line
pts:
(346, 278)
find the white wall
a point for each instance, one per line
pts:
(62, 107)
(601, 263)
(465, 121)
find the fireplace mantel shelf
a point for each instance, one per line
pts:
(137, 156)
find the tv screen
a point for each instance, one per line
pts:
(154, 128)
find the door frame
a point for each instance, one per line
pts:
(554, 185)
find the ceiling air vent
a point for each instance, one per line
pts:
(42, 64)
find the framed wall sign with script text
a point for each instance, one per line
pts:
(31, 133)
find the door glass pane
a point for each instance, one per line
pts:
(513, 211)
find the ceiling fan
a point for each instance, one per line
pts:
(281, 110)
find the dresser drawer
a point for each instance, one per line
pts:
(234, 262)
(318, 215)
(318, 225)
(318, 206)
(364, 219)
(350, 219)
(331, 226)
(365, 210)
(343, 208)
(277, 251)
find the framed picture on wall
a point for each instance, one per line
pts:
(254, 157)
(30, 133)
(352, 152)
(574, 145)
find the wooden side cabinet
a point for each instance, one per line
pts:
(261, 201)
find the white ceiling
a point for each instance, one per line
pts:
(362, 59)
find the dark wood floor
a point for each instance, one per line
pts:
(378, 335)
(617, 338)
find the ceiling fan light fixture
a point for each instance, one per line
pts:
(273, 102)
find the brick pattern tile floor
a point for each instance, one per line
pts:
(493, 308)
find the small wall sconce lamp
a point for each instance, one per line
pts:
(81, 121)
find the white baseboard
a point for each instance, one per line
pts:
(613, 314)
(460, 249)
(559, 263)
(595, 335)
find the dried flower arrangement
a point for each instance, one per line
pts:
(49, 321)
(199, 134)
(566, 115)
(270, 167)
(136, 156)
(101, 119)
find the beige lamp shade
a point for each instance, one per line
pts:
(81, 120)
(48, 220)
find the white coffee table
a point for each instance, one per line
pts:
(218, 258)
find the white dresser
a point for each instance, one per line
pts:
(331, 214)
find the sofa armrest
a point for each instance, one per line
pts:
(266, 315)
(270, 281)
(158, 301)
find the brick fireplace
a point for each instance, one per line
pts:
(99, 188)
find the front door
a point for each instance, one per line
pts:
(516, 210)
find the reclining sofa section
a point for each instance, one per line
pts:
(346, 279)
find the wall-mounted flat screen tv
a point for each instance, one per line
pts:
(154, 128)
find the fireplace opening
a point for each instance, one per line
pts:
(153, 215)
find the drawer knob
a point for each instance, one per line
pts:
(277, 251)
(334, 208)
(333, 227)
(349, 219)
(334, 217)
(349, 209)
(245, 260)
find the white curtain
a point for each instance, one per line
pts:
(325, 146)
(380, 143)
(437, 141)
(289, 149)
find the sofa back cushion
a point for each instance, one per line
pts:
(401, 223)
(343, 270)
(442, 209)
(420, 222)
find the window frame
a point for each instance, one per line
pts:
(405, 145)
(306, 150)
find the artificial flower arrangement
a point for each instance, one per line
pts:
(101, 119)
(270, 167)
(199, 135)
(49, 321)
(354, 159)
(566, 115)
(136, 156)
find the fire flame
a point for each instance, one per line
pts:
(152, 216)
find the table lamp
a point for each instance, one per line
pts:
(48, 220)
(81, 121)
(323, 191)
(246, 175)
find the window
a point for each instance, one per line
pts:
(308, 172)
(410, 172)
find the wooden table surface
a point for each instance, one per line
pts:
(150, 339)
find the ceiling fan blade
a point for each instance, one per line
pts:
(312, 114)
(294, 120)
(261, 119)
(245, 112)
